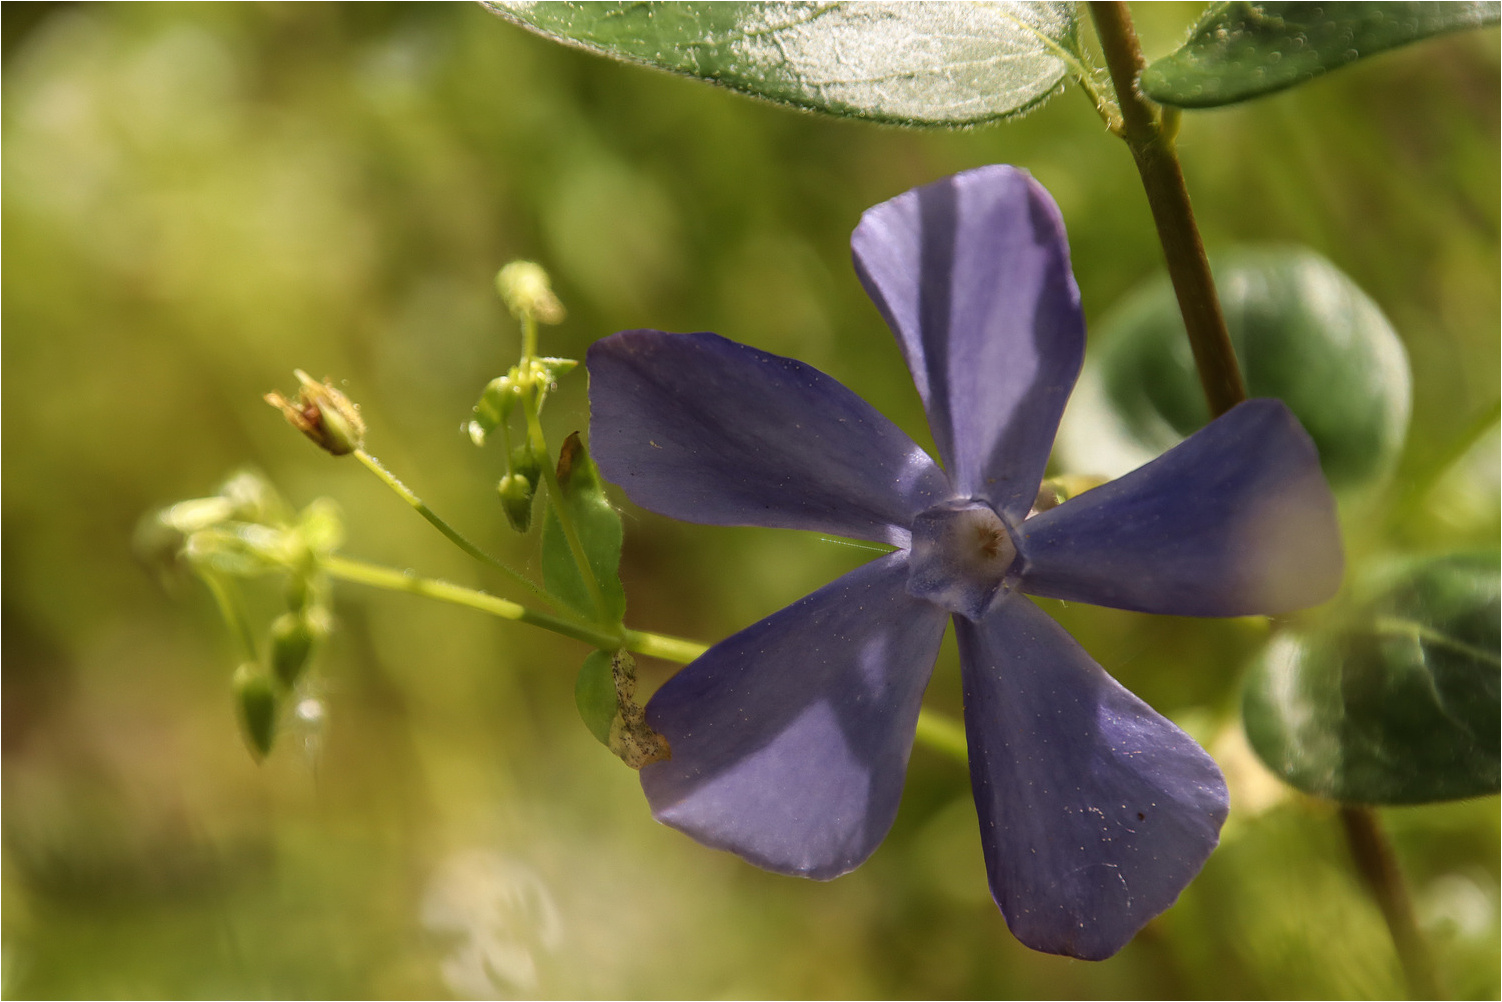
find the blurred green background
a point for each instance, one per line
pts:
(198, 198)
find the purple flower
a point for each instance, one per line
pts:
(790, 740)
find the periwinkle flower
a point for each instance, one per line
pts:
(790, 739)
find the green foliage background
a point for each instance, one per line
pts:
(199, 198)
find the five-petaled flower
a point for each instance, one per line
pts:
(790, 740)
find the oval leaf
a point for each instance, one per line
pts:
(1243, 50)
(1394, 702)
(1303, 332)
(599, 528)
(594, 695)
(902, 63)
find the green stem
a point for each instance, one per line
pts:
(234, 616)
(539, 444)
(377, 576)
(934, 729)
(658, 645)
(943, 734)
(453, 535)
(1150, 138)
(1378, 866)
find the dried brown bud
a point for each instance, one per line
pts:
(324, 414)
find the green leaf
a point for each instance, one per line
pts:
(599, 528)
(594, 695)
(1394, 701)
(1303, 332)
(1243, 50)
(902, 63)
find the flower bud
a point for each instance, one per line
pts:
(516, 500)
(525, 290)
(525, 464)
(256, 706)
(293, 636)
(324, 414)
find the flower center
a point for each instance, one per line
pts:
(961, 555)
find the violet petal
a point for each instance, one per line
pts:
(972, 274)
(699, 428)
(1236, 520)
(790, 740)
(1095, 811)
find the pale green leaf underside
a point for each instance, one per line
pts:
(901, 63)
(1243, 50)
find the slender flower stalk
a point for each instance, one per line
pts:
(935, 730)
(539, 445)
(453, 535)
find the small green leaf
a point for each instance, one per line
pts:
(901, 63)
(600, 534)
(594, 695)
(1243, 50)
(1394, 701)
(1303, 332)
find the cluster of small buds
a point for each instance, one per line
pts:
(525, 289)
(247, 530)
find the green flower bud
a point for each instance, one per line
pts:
(516, 500)
(293, 637)
(526, 291)
(493, 407)
(256, 706)
(323, 414)
(525, 464)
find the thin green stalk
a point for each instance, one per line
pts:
(934, 729)
(943, 734)
(1150, 137)
(1378, 866)
(453, 535)
(233, 615)
(539, 444)
(377, 576)
(658, 645)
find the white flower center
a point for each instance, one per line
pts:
(962, 554)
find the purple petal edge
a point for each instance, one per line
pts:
(972, 274)
(1236, 520)
(1095, 811)
(790, 740)
(700, 428)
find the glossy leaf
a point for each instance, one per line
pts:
(594, 695)
(1303, 332)
(1394, 702)
(903, 63)
(599, 528)
(1243, 50)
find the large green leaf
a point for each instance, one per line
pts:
(1394, 701)
(1303, 332)
(1243, 50)
(598, 526)
(903, 63)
